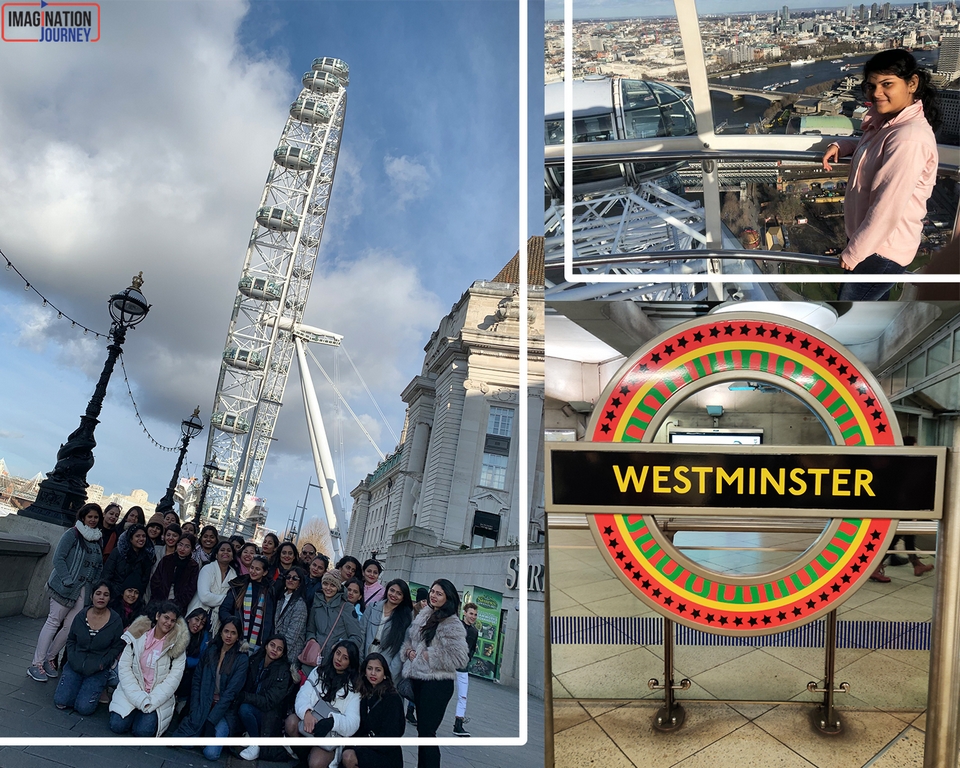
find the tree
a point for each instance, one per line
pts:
(316, 532)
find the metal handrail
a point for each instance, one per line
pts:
(807, 259)
(672, 149)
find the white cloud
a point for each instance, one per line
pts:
(410, 179)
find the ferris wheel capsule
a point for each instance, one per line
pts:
(260, 288)
(230, 422)
(321, 82)
(294, 158)
(280, 219)
(333, 66)
(248, 359)
(310, 110)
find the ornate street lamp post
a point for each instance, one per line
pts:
(208, 471)
(189, 428)
(65, 489)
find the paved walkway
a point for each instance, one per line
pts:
(26, 709)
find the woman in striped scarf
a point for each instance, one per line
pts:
(250, 601)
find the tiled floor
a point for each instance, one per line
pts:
(603, 709)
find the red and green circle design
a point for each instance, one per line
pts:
(826, 377)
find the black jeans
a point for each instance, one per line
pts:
(431, 698)
(872, 265)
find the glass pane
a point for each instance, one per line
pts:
(643, 123)
(899, 379)
(938, 356)
(916, 370)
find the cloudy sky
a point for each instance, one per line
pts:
(149, 150)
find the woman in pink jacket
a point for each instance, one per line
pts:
(892, 172)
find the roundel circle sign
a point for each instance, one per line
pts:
(724, 348)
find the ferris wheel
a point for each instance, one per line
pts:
(265, 325)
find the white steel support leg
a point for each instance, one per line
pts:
(322, 459)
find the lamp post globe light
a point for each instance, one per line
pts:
(209, 470)
(65, 489)
(189, 428)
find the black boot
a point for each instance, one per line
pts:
(458, 728)
(411, 714)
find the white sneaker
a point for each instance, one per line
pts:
(250, 753)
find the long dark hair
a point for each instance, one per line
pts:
(362, 603)
(450, 608)
(87, 509)
(400, 619)
(203, 531)
(216, 646)
(196, 640)
(368, 691)
(901, 63)
(331, 681)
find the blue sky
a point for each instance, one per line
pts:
(149, 150)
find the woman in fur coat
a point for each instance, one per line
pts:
(435, 648)
(150, 670)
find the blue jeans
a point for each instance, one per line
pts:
(221, 730)
(872, 265)
(81, 693)
(252, 719)
(141, 723)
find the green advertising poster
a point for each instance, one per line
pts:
(489, 605)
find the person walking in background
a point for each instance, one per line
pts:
(892, 172)
(77, 564)
(463, 677)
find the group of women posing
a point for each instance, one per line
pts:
(234, 647)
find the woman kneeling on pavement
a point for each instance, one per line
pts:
(329, 691)
(93, 644)
(150, 670)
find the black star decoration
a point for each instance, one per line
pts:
(781, 615)
(774, 333)
(819, 351)
(738, 621)
(876, 415)
(805, 343)
(855, 568)
(845, 578)
(656, 592)
(613, 543)
(682, 608)
(753, 621)
(832, 360)
(620, 555)
(767, 619)
(655, 357)
(615, 402)
(695, 613)
(723, 620)
(607, 531)
(811, 604)
(668, 349)
(714, 332)
(609, 415)
(645, 584)
(624, 390)
(874, 535)
(710, 618)
(636, 576)
(797, 610)
(682, 342)
(789, 338)
(642, 369)
(823, 597)
(869, 401)
(728, 329)
(842, 369)
(629, 566)
(605, 428)
(668, 600)
(761, 330)
(835, 587)
(697, 337)
(744, 330)
(852, 379)
(881, 427)
(863, 558)
(870, 546)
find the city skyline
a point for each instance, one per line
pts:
(586, 10)
(148, 151)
